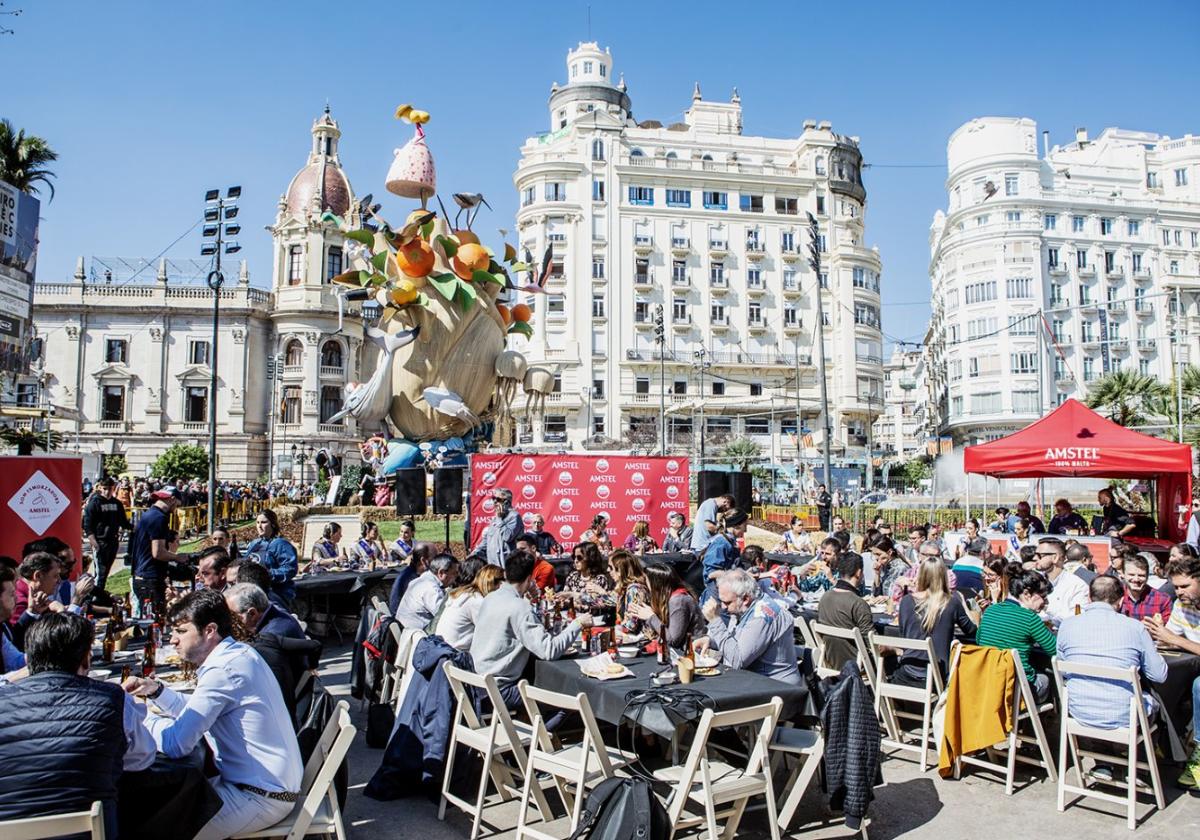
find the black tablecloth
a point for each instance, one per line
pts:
(1176, 690)
(789, 558)
(341, 583)
(731, 689)
(883, 621)
(171, 798)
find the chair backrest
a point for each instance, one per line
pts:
(58, 825)
(1108, 673)
(820, 631)
(593, 744)
(404, 660)
(810, 641)
(957, 649)
(329, 754)
(880, 644)
(500, 718)
(380, 605)
(766, 714)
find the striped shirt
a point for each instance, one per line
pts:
(1185, 621)
(1010, 625)
(1102, 636)
(1151, 603)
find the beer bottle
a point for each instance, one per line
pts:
(125, 672)
(1078, 609)
(664, 658)
(109, 644)
(689, 651)
(148, 657)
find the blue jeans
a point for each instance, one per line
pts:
(1196, 710)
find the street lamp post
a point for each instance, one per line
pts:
(699, 356)
(814, 261)
(660, 338)
(217, 213)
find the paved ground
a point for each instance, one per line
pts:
(910, 804)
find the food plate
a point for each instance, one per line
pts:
(629, 651)
(704, 661)
(708, 672)
(602, 667)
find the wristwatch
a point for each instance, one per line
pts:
(157, 692)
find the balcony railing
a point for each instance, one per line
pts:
(335, 371)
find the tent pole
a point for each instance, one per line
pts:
(968, 516)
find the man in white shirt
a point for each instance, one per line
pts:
(708, 519)
(425, 595)
(1068, 591)
(238, 708)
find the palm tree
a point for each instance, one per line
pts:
(1127, 395)
(23, 160)
(1166, 406)
(741, 453)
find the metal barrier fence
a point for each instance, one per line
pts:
(193, 519)
(901, 518)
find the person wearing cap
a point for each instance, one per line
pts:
(103, 519)
(149, 551)
(721, 553)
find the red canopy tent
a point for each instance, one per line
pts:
(1074, 441)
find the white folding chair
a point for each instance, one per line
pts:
(380, 605)
(824, 667)
(58, 825)
(720, 783)
(808, 747)
(495, 740)
(1024, 709)
(810, 641)
(888, 694)
(403, 673)
(316, 810)
(577, 764)
(1136, 733)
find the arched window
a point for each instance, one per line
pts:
(331, 354)
(294, 354)
(671, 156)
(820, 165)
(707, 157)
(597, 150)
(636, 153)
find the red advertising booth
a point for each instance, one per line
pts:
(40, 497)
(1075, 442)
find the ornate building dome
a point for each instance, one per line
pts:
(321, 185)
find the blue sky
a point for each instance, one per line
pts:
(149, 104)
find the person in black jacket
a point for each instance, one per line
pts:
(852, 741)
(103, 520)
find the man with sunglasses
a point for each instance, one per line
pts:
(500, 535)
(1067, 591)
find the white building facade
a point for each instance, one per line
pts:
(1049, 271)
(899, 431)
(709, 224)
(129, 352)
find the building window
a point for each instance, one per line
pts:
(554, 428)
(679, 272)
(716, 200)
(1106, 227)
(980, 292)
(116, 351)
(679, 198)
(865, 314)
(1181, 177)
(597, 306)
(716, 273)
(597, 149)
(980, 221)
(295, 265)
(758, 426)
(641, 195)
(1110, 261)
(754, 313)
(718, 390)
(789, 316)
(1024, 362)
(787, 206)
(1052, 257)
(555, 305)
(597, 268)
(754, 278)
(986, 403)
(1050, 222)
(1010, 184)
(556, 191)
(574, 69)
(679, 386)
(1018, 288)
(331, 402)
(787, 242)
(789, 279)
(820, 205)
(597, 189)
(1089, 368)
(750, 203)
(1173, 267)
(333, 262)
(112, 409)
(641, 385)
(641, 312)
(1151, 180)
(291, 405)
(823, 280)
(598, 419)
(679, 311)
(331, 354)
(1081, 259)
(198, 352)
(641, 271)
(527, 196)
(598, 389)
(819, 165)
(195, 405)
(716, 313)
(1012, 216)
(1077, 224)
(1022, 325)
(1025, 402)
(1136, 259)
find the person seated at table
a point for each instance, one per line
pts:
(759, 635)
(250, 571)
(1115, 521)
(629, 588)
(12, 659)
(971, 533)
(1024, 511)
(671, 614)
(706, 522)
(968, 568)
(1015, 623)
(829, 550)
(911, 550)
(66, 739)
(456, 624)
(1068, 591)
(1000, 520)
(1066, 520)
(425, 595)
(543, 570)
(1079, 561)
(844, 607)
(544, 541)
(238, 708)
(276, 553)
(369, 549)
(514, 631)
(211, 564)
(795, 540)
(721, 553)
(639, 541)
(262, 615)
(930, 611)
(678, 536)
(995, 581)
(889, 566)
(327, 551)
(402, 548)
(1160, 579)
(222, 538)
(589, 577)
(42, 574)
(1101, 635)
(935, 536)
(839, 531)
(597, 534)
(908, 580)
(1021, 530)
(417, 563)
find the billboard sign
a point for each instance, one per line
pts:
(18, 259)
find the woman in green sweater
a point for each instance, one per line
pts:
(1014, 623)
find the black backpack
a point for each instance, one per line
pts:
(623, 809)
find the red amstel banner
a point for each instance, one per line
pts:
(40, 497)
(569, 490)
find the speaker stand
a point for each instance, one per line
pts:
(447, 533)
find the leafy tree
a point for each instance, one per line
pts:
(741, 453)
(916, 470)
(23, 159)
(1126, 396)
(181, 460)
(114, 465)
(26, 440)
(1166, 407)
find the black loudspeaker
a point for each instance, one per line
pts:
(410, 491)
(741, 487)
(448, 490)
(710, 483)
